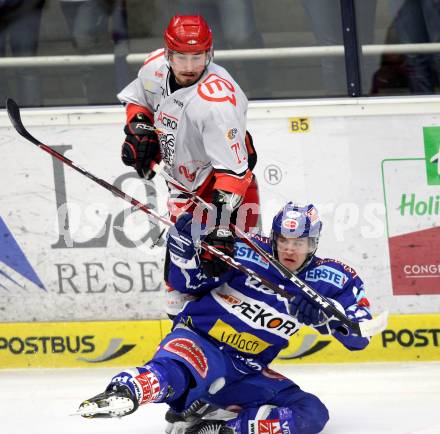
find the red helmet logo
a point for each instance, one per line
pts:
(188, 34)
(290, 224)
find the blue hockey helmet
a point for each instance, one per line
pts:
(297, 221)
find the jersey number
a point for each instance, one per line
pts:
(236, 147)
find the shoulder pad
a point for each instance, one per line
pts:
(338, 265)
(153, 71)
(156, 58)
(217, 86)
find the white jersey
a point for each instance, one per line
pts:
(201, 127)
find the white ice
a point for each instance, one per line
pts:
(391, 398)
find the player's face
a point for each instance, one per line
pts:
(187, 67)
(292, 252)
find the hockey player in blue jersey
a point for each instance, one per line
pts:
(222, 342)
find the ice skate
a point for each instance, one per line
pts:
(210, 427)
(115, 402)
(198, 411)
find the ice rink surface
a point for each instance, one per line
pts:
(397, 398)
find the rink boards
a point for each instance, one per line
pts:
(132, 343)
(81, 283)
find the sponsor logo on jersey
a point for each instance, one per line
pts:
(269, 373)
(244, 252)
(232, 133)
(261, 238)
(167, 147)
(190, 176)
(168, 121)
(190, 352)
(217, 89)
(256, 314)
(13, 263)
(149, 85)
(148, 385)
(253, 364)
(268, 426)
(178, 102)
(245, 342)
(326, 274)
(346, 267)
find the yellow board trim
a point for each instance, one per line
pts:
(78, 344)
(133, 343)
(406, 338)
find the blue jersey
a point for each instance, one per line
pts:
(242, 316)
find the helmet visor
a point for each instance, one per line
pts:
(188, 60)
(303, 245)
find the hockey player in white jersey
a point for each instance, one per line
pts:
(198, 113)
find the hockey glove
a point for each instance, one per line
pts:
(305, 311)
(225, 203)
(334, 325)
(181, 242)
(222, 239)
(141, 146)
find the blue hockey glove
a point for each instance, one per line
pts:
(305, 311)
(181, 244)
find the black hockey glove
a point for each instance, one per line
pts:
(222, 239)
(225, 204)
(141, 146)
(220, 236)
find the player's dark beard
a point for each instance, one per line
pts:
(173, 82)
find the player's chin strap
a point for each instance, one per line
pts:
(364, 328)
(14, 116)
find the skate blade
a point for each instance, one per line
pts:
(110, 407)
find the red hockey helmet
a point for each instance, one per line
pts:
(188, 34)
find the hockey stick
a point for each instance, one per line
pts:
(369, 327)
(364, 328)
(14, 116)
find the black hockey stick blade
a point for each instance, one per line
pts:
(14, 116)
